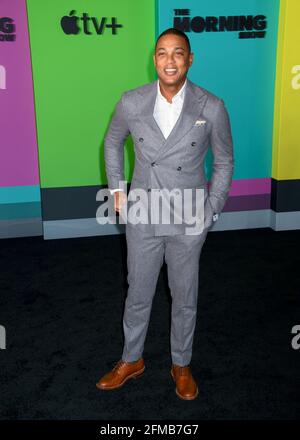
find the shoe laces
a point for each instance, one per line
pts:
(119, 365)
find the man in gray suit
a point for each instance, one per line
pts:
(172, 122)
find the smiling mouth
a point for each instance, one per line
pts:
(170, 71)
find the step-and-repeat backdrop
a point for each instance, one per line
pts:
(64, 65)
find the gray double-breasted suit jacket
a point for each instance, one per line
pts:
(178, 161)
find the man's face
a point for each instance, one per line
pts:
(172, 60)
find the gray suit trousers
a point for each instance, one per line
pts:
(145, 256)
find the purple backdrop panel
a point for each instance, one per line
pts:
(246, 187)
(18, 146)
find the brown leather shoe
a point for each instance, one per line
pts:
(186, 387)
(121, 372)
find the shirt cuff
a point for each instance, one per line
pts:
(115, 190)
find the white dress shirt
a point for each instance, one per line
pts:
(166, 113)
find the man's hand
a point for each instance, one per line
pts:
(120, 199)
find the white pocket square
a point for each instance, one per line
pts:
(200, 122)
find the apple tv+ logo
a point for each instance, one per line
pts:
(70, 24)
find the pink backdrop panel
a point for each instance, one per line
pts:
(18, 145)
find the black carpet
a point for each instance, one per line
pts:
(62, 302)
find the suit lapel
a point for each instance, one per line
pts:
(146, 113)
(193, 104)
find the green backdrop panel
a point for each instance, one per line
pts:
(78, 78)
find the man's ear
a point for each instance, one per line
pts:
(191, 58)
(154, 59)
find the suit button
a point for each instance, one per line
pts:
(153, 164)
(141, 139)
(179, 168)
(193, 144)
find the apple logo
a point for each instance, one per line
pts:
(69, 24)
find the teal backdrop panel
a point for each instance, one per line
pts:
(238, 68)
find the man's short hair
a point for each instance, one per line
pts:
(175, 31)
